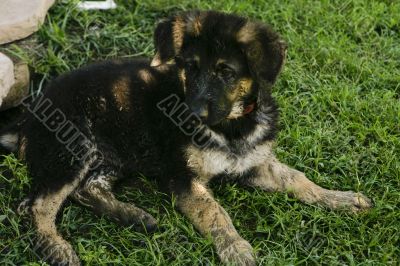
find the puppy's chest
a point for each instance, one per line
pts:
(209, 162)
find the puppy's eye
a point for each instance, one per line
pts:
(225, 72)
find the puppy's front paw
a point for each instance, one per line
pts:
(238, 253)
(56, 253)
(359, 202)
(348, 200)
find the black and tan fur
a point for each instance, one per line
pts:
(223, 67)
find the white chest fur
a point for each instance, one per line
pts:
(210, 162)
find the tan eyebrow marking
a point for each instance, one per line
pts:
(245, 86)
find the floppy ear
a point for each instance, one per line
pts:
(163, 42)
(265, 52)
(169, 35)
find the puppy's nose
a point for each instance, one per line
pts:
(201, 112)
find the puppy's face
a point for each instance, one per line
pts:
(215, 78)
(222, 60)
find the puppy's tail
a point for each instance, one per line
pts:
(9, 138)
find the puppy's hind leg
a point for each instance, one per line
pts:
(96, 193)
(44, 208)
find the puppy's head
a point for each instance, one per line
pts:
(227, 64)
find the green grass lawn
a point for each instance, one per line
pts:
(340, 106)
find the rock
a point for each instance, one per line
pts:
(6, 76)
(20, 89)
(16, 86)
(21, 18)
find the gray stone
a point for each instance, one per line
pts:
(21, 18)
(14, 82)
(20, 89)
(6, 76)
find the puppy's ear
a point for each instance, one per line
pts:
(265, 52)
(169, 35)
(164, 42)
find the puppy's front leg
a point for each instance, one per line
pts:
(276, 176)
(212, 220)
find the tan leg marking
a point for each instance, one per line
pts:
(44, 210)
(276, 176)
(54, 248)
(211, 219)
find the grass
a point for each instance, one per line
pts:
(340, 106)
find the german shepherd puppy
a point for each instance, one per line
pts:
(201, 109)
